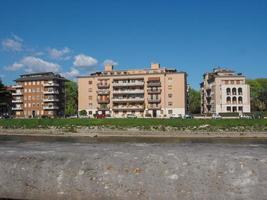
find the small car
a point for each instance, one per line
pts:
(131, 116)
(216, 116)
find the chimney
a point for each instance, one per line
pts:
(108, 67)
(155, 65)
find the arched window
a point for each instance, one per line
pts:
(233, 91)
(228, 100)
(240, 91)
(228, 91)
(240, 100)
(234, 100)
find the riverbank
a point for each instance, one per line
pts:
(83, 132)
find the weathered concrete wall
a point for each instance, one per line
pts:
(132, 171)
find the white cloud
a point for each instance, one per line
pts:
(84, 61)
(110, 62)
(14, 67)
(12, 44)
(73, 73)
(59, 54)
(32, 64)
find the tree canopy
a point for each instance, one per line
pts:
(71, 98)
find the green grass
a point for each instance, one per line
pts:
(259, 124)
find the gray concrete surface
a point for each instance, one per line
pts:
(60, 170)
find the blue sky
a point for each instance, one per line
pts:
(77, 37)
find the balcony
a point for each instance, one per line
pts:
(101, 85)
(128, 92)
(17, 101)
(123, 84)
(51, 84)
(51, 92)
(103, 92)
(50, 107)
(153, 107)
(17, 93)
(103, 108)
(17, 86)
(153, 84)
(153, 100)
(151, 91)
(128, 108)
(103, 100)
(128, 100)
(50, 100)
(17, 108)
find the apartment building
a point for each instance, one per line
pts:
(224, 91)
(153, 92)
(39, 94)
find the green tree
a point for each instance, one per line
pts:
(258, 94)
(194, 101)
(83, 113)
(71, 98)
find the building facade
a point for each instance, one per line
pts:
(154, 92)
(224, 91)
(39, 94)
(5, 100)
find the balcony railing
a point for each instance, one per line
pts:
(17, 101)
(151, 91)
(128, 91)
(103, 92)
(101, 85)
(151, 84)
(153, 100)
(17, 86)
(50, 100)
(103, 100)
(153, 107)
(128, 99)
(128, 108)
(50, 107)
(103, 108)
(17, 94)
(51, 84)
(121, 84)
(17, 108)
(51, 92)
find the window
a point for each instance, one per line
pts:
(240, 91)
(25, 90)
(233, 91)
(169, 112)
(25, 97)
(90, 104)
(228, 108)
(169, 78)
(240, 108)
(25, 105)
(234, 100)
(170, 95)
(30, 83)
(169, 103)
(26, 83)
(33, 82)
(29, 105)
(90, 82)
(169, 87)
(29, 97)
(90, 97)
(226, 82)
(90, 90)
(30, 90)
(232, 82)
(90, 112)
(228, 100)
(240, 100)
(228, 91)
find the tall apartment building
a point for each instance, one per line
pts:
(39, 94)
(224, 91)
(154, 92)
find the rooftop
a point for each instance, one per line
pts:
(40, 76)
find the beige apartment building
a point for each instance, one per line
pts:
(224, 91)
(39, 94)
(154, 92)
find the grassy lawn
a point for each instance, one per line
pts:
(127, 123)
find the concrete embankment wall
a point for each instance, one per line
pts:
(33, 170)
